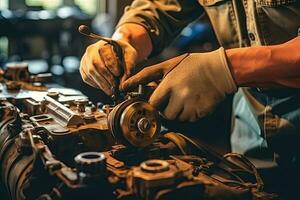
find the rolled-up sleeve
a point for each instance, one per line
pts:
(163, 19)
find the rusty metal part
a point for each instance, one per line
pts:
(134, 122)
(53, 94)
(64, 115)
(90, 162)
(153, 174)
(13, 85)
(91, 167)
(40, 135)
(81, 104)
(17, 82)
(17, 72)
(155, 166)
(37, 157)
(37, 148)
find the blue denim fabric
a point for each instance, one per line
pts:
(246, 132)
(274, 127)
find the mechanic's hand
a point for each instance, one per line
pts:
(100, 66)
(191, 86)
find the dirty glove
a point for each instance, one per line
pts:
(191, 85)
(102, 68)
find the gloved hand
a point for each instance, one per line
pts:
(101, 67)
(191, 85)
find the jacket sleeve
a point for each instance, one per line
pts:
(163, 19)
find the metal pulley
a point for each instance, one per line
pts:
(134, 122)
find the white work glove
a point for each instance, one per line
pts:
(101, 67)
(191, 86)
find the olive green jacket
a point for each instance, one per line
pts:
(261, 119)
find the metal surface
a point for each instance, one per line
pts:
(139, 123)
(134, 122)
(61, 146)
(64, 115)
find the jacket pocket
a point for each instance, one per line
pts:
(223, 19)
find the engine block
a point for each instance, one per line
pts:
(56, 144)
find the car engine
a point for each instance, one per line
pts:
(56, 144)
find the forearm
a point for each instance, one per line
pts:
(137, 36)
(163, 20)
(266, 66)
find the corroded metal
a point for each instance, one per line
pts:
(55, 144)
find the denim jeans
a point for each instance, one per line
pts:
(265, 123)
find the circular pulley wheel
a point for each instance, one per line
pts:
(135, 122)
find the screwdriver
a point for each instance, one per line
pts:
(84, 30)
